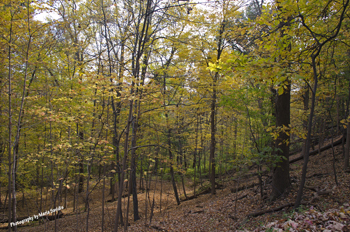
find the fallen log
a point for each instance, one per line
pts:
(240, 198)
(199, 211)
(255, 214)
(243, 188)
(315, 152)
(159, 228)
(205, 191)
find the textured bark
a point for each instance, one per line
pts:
(281, 180)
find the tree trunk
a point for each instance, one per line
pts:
(307, 145)
(212, 137)
(81, 165)
(133, 169)
(10, 126)
(280, 180)
(306, 109)
(103, 197)
(347, 146)
(126, 146)
(172, 168)
(2, 149)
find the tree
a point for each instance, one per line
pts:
(320, 42)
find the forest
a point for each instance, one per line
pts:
(122, 115)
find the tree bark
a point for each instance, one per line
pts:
(347, 146)
(306, 109)
(121, 183)
(213, 110)
(280, 179)
(133, 167)
(10, 125)
(212, 136)
(81, 166)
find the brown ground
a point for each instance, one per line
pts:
(223, 212)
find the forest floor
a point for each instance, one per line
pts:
(326, 205)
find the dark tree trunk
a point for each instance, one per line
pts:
(212, 138)
(81, 166)
(281, 180)
(347, 148)
(171, 168)
(133, 168)
(306, 109)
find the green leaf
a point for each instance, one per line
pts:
(280, 90)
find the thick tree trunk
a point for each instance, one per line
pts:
(281, 180)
